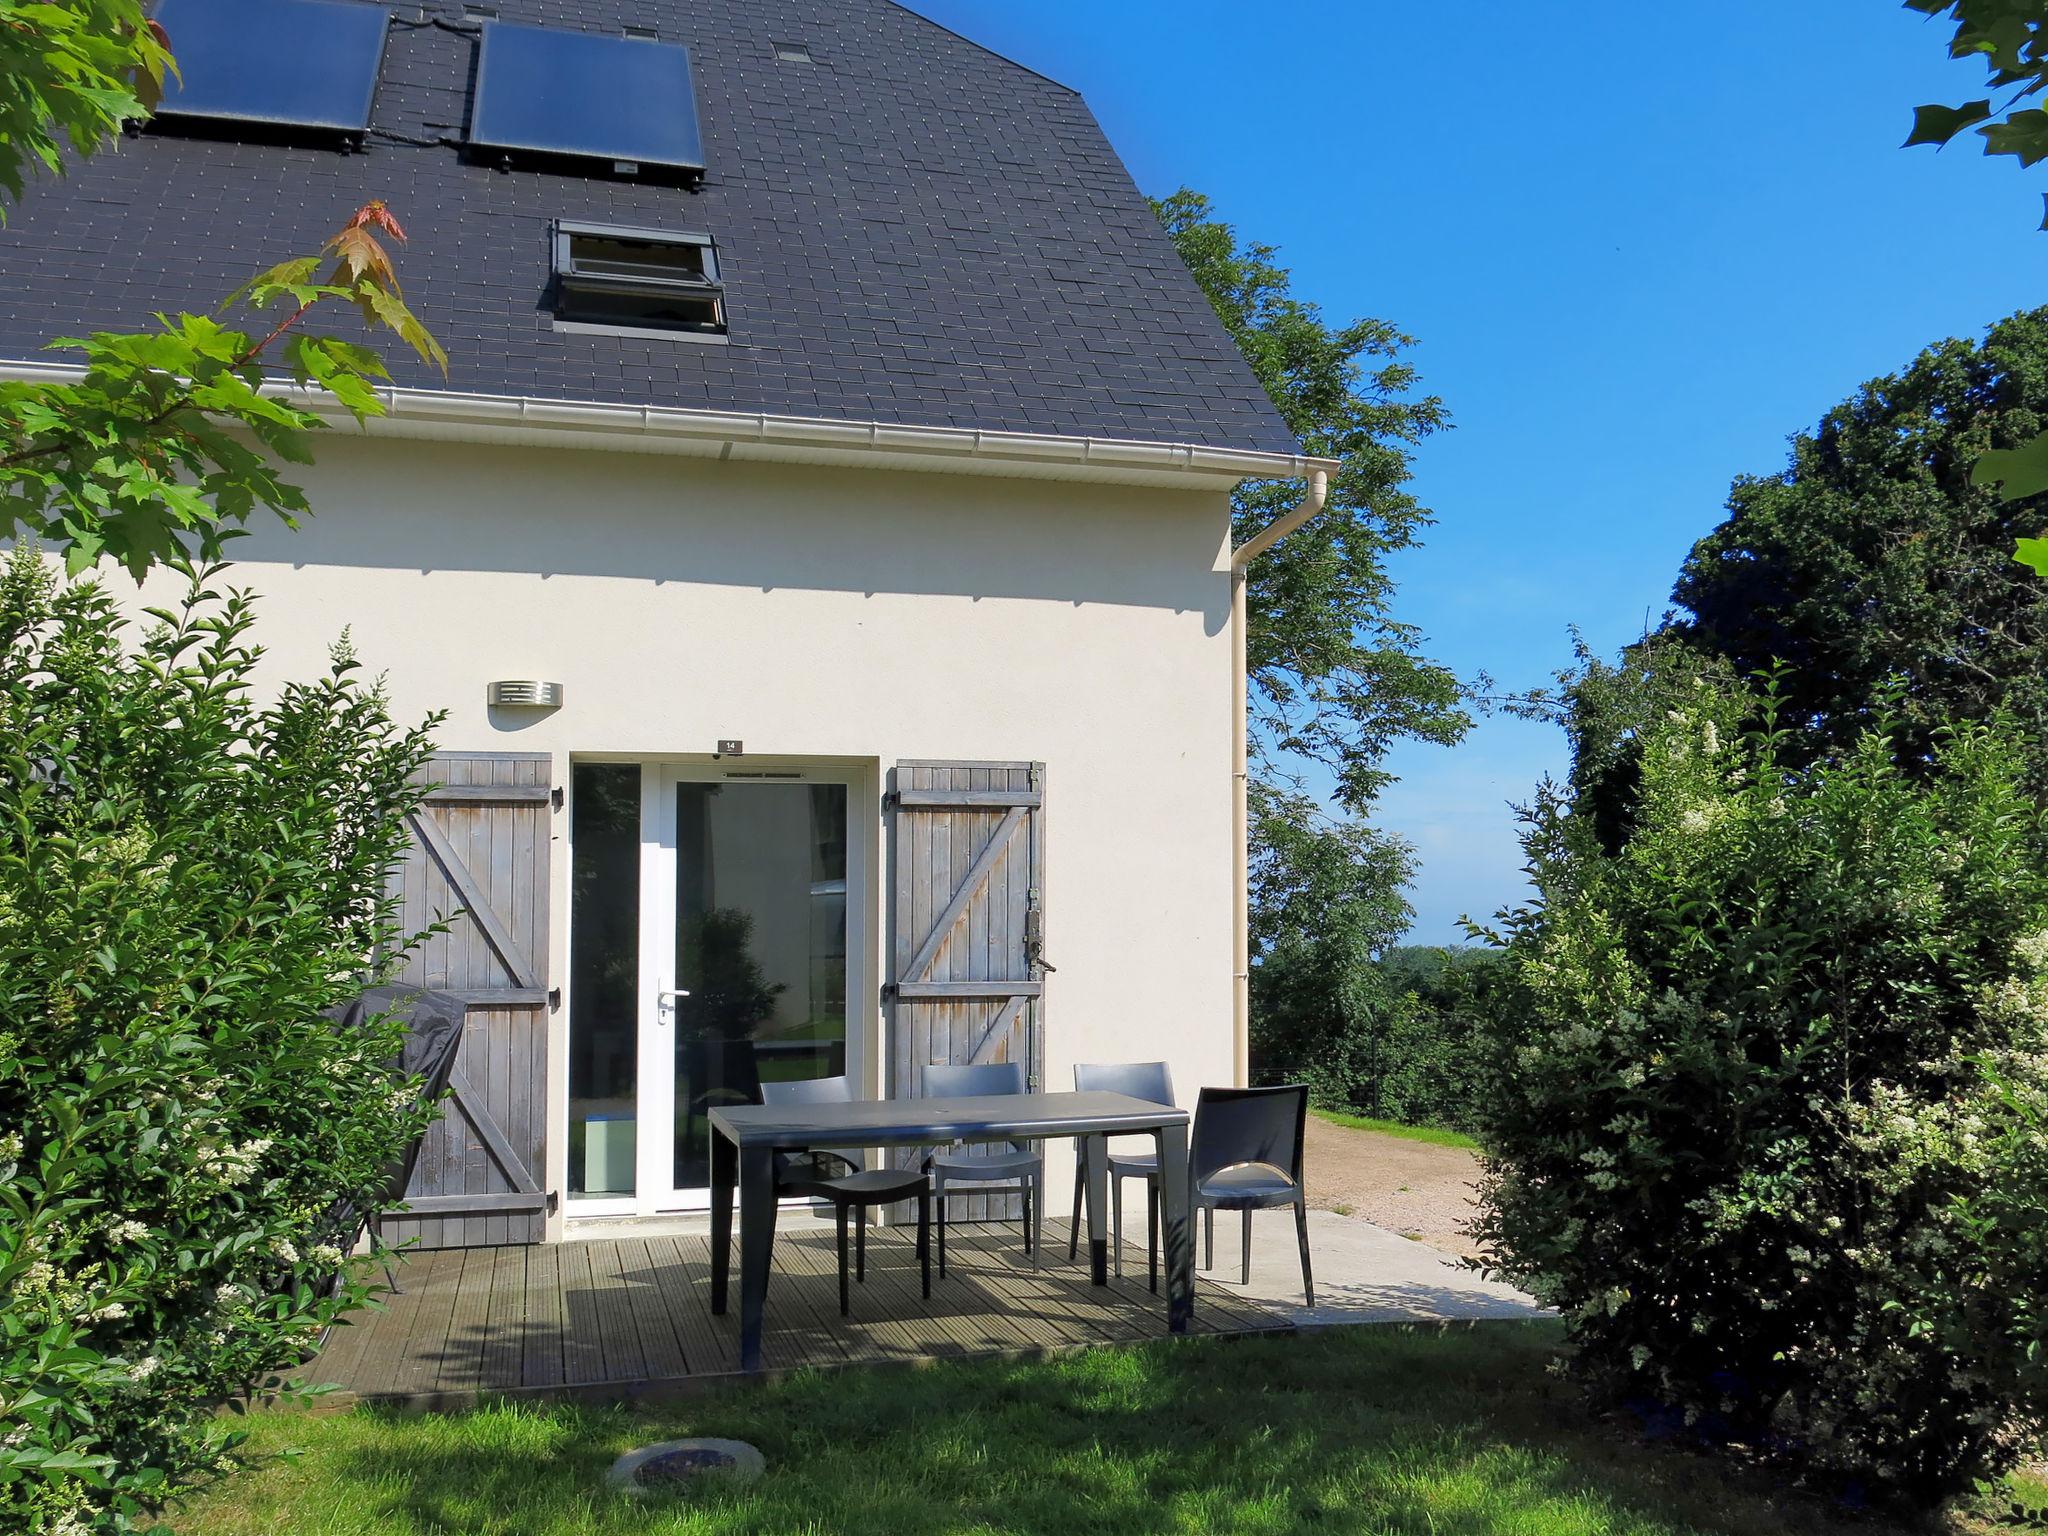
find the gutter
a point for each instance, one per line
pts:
(1241, 558)
(613, 427)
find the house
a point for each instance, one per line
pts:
(819, 545)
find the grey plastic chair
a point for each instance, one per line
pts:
(1245, 1155)
(849, 1187)
(1011, 1168)
(1152, 1082)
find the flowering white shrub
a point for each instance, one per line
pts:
(1763, 1135)
(187, 879)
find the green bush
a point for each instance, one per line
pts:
(1748, 1143)
(187, 878)
(1408, 1036)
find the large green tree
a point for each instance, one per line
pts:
(1873, 555)
(1335, 678)
(2010, 39)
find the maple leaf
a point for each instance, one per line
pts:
(374, 212)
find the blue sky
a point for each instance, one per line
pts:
(1639, 246)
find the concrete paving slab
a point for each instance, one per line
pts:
(1364, 1273)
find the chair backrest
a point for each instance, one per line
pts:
(809, 1090)
(1249, 1125)
(1147, 1080)
(966, 1082)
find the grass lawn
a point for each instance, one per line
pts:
(1428, 1133)
(1362, 1430)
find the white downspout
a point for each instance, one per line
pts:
(1240, 736)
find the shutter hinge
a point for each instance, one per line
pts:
(554, 999)
(555, 797)
(1036, 775)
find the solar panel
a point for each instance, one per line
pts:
(302, 63)
(583, 94)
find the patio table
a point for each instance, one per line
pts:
(746, 1138)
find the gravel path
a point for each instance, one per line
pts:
(1411, 1187)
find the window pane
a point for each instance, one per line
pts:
(760, 946)
(604, 969)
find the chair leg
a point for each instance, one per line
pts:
(1116, 1221)
(939, 1196)
(1308, 1284)
(1152, 1235)
(924, 1240)
(845, 1301)
(1208, 1237)
(1037, 1217)
(1028, 1251)
(1080, 1187)
(1247, 1247)
(860, 1244)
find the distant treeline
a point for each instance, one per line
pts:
(1406, 1037)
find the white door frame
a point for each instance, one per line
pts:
(654, 1153)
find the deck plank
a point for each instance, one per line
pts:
(582, 1344)
(540, 1350)
(625, 1353)
(685, 1291)
(661, 1342)
(463, 1361)
(807, 1275)
(605, 1314)
(432, 1309)
(504, 1320)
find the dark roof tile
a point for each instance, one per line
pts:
(911, 228)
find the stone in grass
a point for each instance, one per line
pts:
(676, 1465)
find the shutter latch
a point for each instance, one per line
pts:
(1034, 935)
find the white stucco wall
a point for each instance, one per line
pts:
(855, 615)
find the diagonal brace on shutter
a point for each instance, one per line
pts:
(985, 1048)
(478, 1115)
(508, 950)
(920, 966)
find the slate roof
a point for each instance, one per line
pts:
(911, 229)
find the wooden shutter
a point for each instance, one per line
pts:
(968, 845)
(479, 863)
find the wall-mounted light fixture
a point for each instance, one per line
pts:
(524, 693)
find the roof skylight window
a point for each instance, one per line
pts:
(637, 279)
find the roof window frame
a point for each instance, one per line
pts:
(571, 280)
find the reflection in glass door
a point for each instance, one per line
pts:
(604, 980)
(759, 947)
(710, 945)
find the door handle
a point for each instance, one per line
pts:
(664, 1000)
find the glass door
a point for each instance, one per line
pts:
(731, 932)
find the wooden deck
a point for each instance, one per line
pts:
(614, 1319)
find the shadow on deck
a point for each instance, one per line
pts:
(619, 1319)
